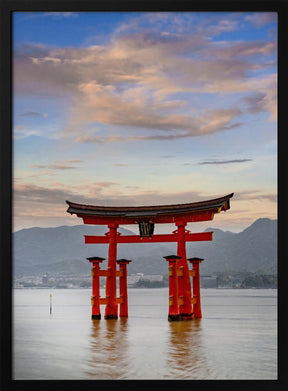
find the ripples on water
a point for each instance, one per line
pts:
(235, 339)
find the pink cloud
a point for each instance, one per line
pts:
(262, 18)
(129, 82)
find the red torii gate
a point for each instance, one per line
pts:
(180, 301)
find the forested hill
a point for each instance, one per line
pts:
(62, 250)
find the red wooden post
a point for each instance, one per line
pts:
(173, 313)
(111, 310)
(95, 299)
(184, 284)
(123, 287)
(196, 286)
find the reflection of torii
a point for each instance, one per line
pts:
(146, 217)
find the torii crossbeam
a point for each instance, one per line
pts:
(146, 217)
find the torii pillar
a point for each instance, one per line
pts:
(196, 286)
(111, 310)
(123, 287)
(184, 284)
(173, 313)
(95, 299)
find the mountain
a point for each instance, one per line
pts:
(62, 250)
(253, 249)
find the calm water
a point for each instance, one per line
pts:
(235, 339)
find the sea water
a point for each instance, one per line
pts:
(235, 339)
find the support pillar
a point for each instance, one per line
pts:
(196, 286)
(184, 284)
(123, 287)
(95, 298)
(173, 313)
(111, 310)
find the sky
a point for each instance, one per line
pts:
(136, 108)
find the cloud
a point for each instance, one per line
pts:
(33, 199)
(144, 60)
(45, 206)
(38, 166)
(260, 19)
(53, 15)
(74, 161)
(92, 193)
(174, 126)
(53, 166)
(39, 205)
(263, 100)
(255, 195)
(60, 167)
(22, 131)
(215, 26)
(255, 102)
(132, 80)
(232, 52)
(57, 165)
(59, 15)
(105, 184)
(225, 161)
(30, 193)
(34, 114)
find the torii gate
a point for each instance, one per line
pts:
(181, 304)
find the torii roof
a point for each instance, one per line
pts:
(156, 211)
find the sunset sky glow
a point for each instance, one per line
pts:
(135, 108)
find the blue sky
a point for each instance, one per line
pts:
(135, 108)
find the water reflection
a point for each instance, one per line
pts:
(185, 352)
(108, 341)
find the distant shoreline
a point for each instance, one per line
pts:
(163, 287)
